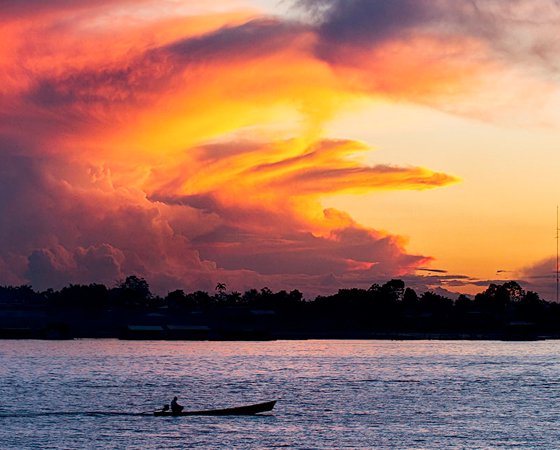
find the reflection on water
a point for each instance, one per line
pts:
(332, 394)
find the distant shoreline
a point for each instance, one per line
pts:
(390, 312)
(319, 336)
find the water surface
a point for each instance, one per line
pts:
(90, 394)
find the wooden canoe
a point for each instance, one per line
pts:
(237, 411)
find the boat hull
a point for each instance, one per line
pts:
(249, 410)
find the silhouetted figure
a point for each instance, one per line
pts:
(175, 407)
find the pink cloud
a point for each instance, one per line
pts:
(129, 149)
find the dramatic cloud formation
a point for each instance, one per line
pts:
(457, 51)
(187, 147)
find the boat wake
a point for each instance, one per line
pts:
(74, 413)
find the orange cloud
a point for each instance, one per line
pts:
(189, 148)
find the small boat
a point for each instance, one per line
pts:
(237, 411)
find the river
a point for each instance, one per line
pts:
(413, 395)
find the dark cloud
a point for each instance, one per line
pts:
(57, 267)
(149, 72)
(424, 269)
(540, 277)
(370, 22)
(366, 22)
(342, 28)
(111, 86)
(256, 38)
(518, 31)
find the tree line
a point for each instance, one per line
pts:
(389, 304)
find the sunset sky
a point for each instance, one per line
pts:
(311, 144)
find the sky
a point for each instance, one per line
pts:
(304, 144)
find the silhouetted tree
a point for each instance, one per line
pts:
(250, 298)
(530, 307)
(410, 299)
(233, 299)
(201, 300)
(76, 295)
(463, 304)
(220, 296)
(393, 290)
(516, 293)
(431, 302)
(294, 298)
(494, 299)
(139, 285)
(265, 299)
(23, 294)
(133, 291)
(178, 299)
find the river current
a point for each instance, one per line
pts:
(413, 395)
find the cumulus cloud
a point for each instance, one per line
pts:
(188, 149)
(56, 267)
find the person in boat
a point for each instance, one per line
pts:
(175, 407)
